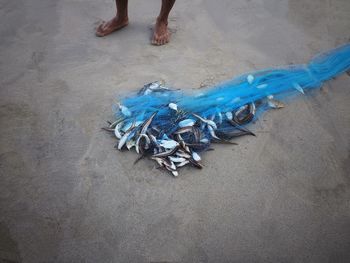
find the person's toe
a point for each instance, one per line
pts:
(154, 40)
(100, 29)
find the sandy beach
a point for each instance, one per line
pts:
(66, 195)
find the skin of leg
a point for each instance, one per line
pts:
(119, 21)
(161, 34)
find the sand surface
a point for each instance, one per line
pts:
(66, 195)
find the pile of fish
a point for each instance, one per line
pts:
(173, 127)
(180, 144)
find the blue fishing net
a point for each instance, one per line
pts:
(172, 126)
(231, 95)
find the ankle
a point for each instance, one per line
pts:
(122, 18)
(162, 20)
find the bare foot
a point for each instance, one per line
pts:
(161, 34)
(110, 26)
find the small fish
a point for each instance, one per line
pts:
(172, 106)
(169, 165)
(153, 139)
(212, 133)
(139, 158)
(117, 130)
(298, 88)
(231, 135)
(220, 117)
(146, 124)
(275, 104)
(196, 164)
(183, 163)
(175, 173)
(250, 79)
(196, 133)
(160, 161)
(172, 166)
(204, 140)
(165, 153)
(156, 86)
(229, 115)
(240, 128)
(168, 144)
(112, 125)
(172, 169)
(250, 108)
(131, 125)
(176, 159)
(130, 144)
(196, 157)
(180, 140)
(107, 129)
(187, 149)
(138, 146)
(209, 122)
(186, 123)
(183, 154)
(184, 130)
(124, 138)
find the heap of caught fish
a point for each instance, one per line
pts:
(173, 128)
(190, 134)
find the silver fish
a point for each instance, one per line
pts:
(176, 159)
(153, 87)
(117, 130)
(146, 124)
(184, 130)
(130, 144)
(220, 117)
(137, 145)
(165, 153)
(248, 117)
(212, 133)
(209, 122)
(250, 79)
(173, 106)
(125, 137)
(131, 124)
(183, 163)
(298, 88)
(275, 104)
(183, 154)
(196, 157)
(229, 115)
(186, 123)
(168, 144)
(175, 173)
(204, 140)
(113, 124)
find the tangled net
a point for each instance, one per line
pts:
(172, 127)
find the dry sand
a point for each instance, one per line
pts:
(66, 195)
